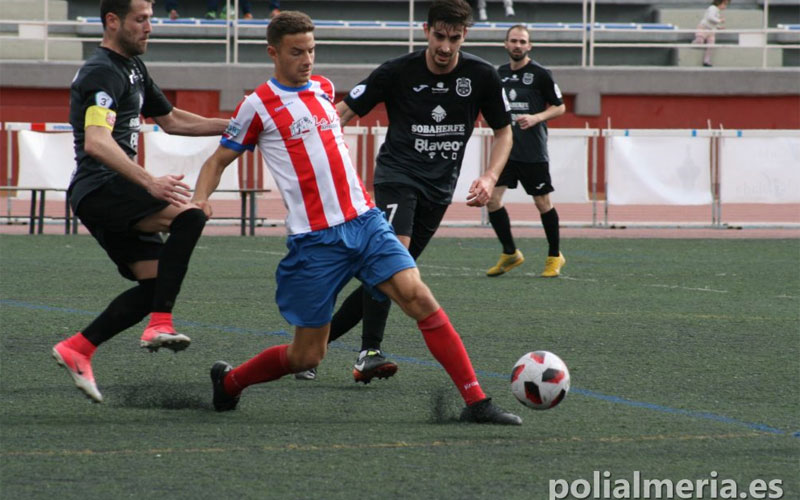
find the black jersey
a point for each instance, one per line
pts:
(111, 81)
(529, 90)
(431, 117)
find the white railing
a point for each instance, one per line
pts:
(583, 35)
(704, 170)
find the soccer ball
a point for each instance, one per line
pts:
(540, 380)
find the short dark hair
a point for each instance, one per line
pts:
(450, 13)
(288, 22)
(518, 27)
(118, 7)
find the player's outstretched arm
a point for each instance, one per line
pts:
(481, 189)
(210, 175)
(180, 122)
(345, 113)
(100, 145)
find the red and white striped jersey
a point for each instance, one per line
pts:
(298, 132)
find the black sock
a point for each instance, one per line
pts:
(550, 223)
(173, 263)
(129, 308)
(348, 315)
(374, 323)
(502, 228)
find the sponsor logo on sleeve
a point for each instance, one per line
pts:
(103, 100)
(558, 90)
(233, 129)
(358, 91)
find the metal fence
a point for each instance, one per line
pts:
(587, 35)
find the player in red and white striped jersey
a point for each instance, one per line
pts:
(292, 120)
(297, 130)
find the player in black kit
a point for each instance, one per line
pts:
(433, 97)
(534, 98)
(122, 205)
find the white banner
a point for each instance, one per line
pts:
(568, 169)
(760, 169)
(646, 170)
(174, 154)
(569, 172)
(46, 161)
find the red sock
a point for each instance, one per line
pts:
(269, 364)
(81, 344)
(445, 344)
(161, 319)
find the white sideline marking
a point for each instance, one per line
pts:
(265, 252)
(674, 287)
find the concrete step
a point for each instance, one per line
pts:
(34, 49)
(734, 18)
(734, 57)
(33, 10)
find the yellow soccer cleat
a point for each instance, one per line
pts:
(506, 263)
(553, 265)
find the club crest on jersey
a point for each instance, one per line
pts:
(438, 114)
(527, 78)
(463, 87)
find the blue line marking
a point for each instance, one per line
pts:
(421, 362)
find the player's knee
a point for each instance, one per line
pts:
(494, 205)
(543, 203)
(419, 301)
(192, 220)
(306, 359)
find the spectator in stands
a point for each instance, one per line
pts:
(507, 4)
(123, 206)
(711, 22)
(535, 98)
(217, 9)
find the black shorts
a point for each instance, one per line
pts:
(111, 211)
(535, 177)
(410, 213)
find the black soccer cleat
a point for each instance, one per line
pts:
(222, 400)
(484, 412)
(373, 364)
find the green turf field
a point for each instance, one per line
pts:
(684, 357)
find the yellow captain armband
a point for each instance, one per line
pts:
(99, 117)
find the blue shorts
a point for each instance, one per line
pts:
(320, 263)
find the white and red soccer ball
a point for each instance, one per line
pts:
(540, 380)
